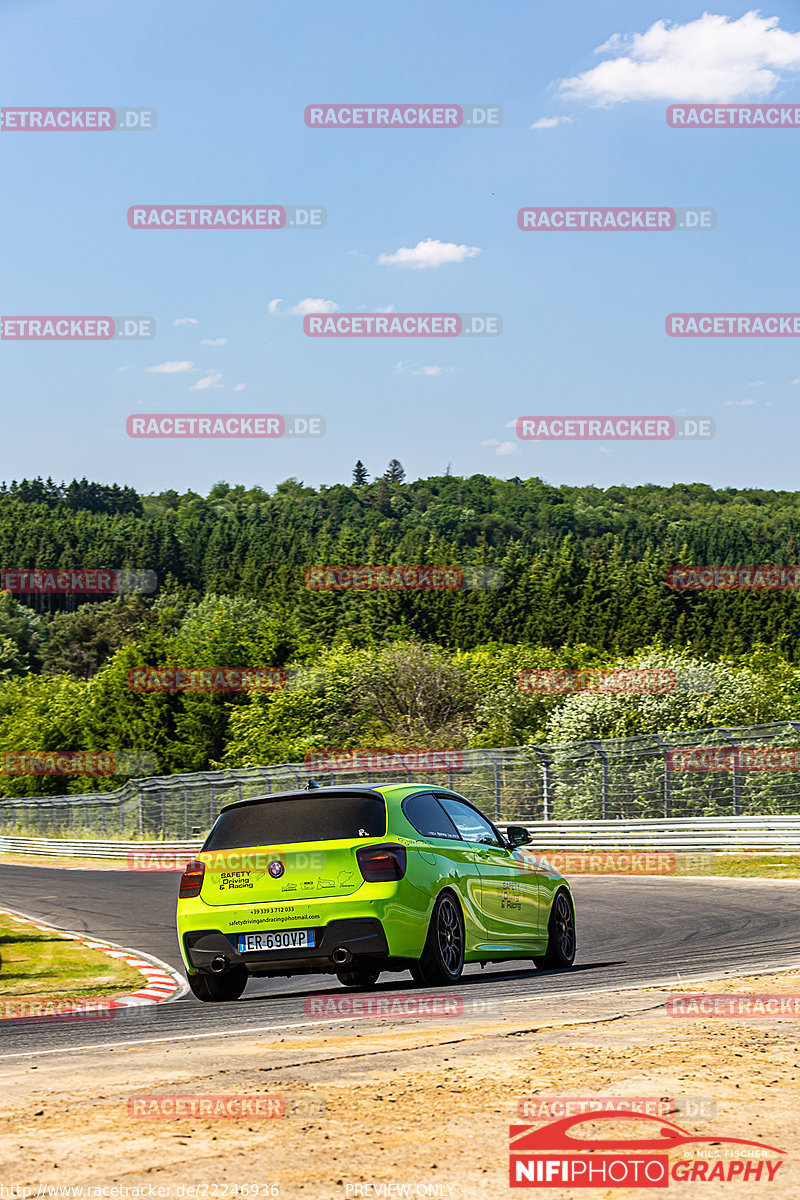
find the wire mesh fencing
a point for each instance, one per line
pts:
(750, 770)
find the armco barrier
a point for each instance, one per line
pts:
(708, 836)
(83, 848)
(697, 775)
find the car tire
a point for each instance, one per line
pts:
(442, 960)
(359, 977)
(560, 934)
(216, 989)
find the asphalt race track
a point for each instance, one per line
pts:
(631, 932)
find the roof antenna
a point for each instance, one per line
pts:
(312, 783)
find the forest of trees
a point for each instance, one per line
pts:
(583, 582)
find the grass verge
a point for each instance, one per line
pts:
(47, 966)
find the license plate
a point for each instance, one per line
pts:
(285, 939)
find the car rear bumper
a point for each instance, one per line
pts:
(362, 937)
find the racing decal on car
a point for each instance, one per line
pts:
(510, 897)
(550, 1156)
(276, 869)
(228, 880)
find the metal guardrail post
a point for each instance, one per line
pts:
(547, 764)
(737, 778)
(496, 766)
(667, 775)
(604, 759)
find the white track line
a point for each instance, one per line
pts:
(247, 1030)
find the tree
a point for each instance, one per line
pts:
(80, 642)
(360, 475)
(394, 473)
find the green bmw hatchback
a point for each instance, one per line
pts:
(357, 880)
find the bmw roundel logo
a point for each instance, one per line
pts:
(275, 869)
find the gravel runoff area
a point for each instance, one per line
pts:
(399, 1106)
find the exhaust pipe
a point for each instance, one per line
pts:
(341, 955)
(219, 964)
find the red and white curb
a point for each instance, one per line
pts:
(161, 982)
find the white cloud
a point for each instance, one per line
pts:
(185, 321)
(756, 383)
(310, 305)
(239, 387)
(551, 122)
(272, 307)
(434, 370)
(431, 370)
(795, 380)
(212, 379)
(711, 59)
(429, 253)
(502, 448)
(738, 403)
(171, 368)
(388, 308)
(213, 341)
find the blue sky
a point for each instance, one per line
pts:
(583, 313)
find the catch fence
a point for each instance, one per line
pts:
(743, 771)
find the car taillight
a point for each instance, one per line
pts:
(192, 880)
(382, 864)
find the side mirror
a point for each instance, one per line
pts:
(518, 835)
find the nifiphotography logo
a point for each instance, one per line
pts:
(553, 1156)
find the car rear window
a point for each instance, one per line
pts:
(306, 818)
(428, 817)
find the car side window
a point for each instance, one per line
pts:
(428, 817)
(470, 824)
